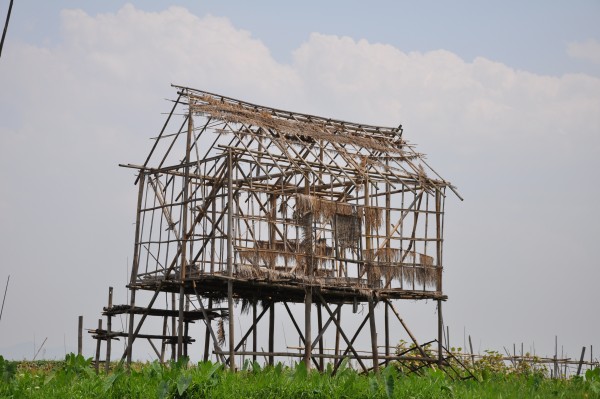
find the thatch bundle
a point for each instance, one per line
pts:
(383, 255)
(290, 129)
(220, 332)
(322, 208)
(252, 273)
(327, 209)
(395, 264)
(373, 217)
(264, 257)
(426, 260)
(267, 253)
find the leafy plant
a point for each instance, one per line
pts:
(7, 369)
(592, 377)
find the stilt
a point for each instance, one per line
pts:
(108, 331)
(440, 334)
(254, 341)
(163, 344)
(186, 329)
(98, 342)
(387, 333)
(373, 335)
(271, 333)
(184, 229)
(80, 335)
(207, 333)
(307, 327)
(230, 259)
(320, 327)
(173, 327)
(135, 266)
(130, 333)
(337, 334)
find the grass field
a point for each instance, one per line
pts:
(76, 378)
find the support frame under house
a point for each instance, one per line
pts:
(243, 207)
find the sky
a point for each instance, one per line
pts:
(504, 98)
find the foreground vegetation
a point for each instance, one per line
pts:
(75, 378)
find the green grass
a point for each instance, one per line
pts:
(75, 378)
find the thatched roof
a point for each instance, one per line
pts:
(356, 151)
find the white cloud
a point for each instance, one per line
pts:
(588, 50)
(523, 148)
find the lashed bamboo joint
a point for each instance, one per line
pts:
(251, 203)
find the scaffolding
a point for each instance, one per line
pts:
(243, 205)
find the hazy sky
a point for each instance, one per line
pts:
(504, 99)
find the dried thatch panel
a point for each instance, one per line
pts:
(322, 208)
(347, 229)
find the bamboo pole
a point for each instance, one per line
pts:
(254, 340)
(108, 331)
(184, 243)
(163, 344)
(79, 335)
(308, 295)
(356, 356)
(207, 331)
(320, 340)
(271, 333)
(4, 297)
(440, 333)
(581, 361)
(373, 328)
(134, 267)
(98, 347)
(307, 327)
(387, 332)
(230, 260)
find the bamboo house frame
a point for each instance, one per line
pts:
(240, 204)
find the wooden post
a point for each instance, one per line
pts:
(108, 331)
(254, 343)
(337, 333)
(98, 344)
(438, 241)
(207, 334)
(308, 290)
(173, 327)
(272, 227)
(307, 327)
(556, 356)
(230, 259)
(373, 334)
(440, 333)
(387, 334)
(80, 335)
(163, 345)
(581, 360)
(320, 327)
(368, 227)
(135, 266)
(271, 333)
(184, 228)
(186, 329)
(130, 333)
(472, 354)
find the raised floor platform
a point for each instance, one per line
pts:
(215, 286)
